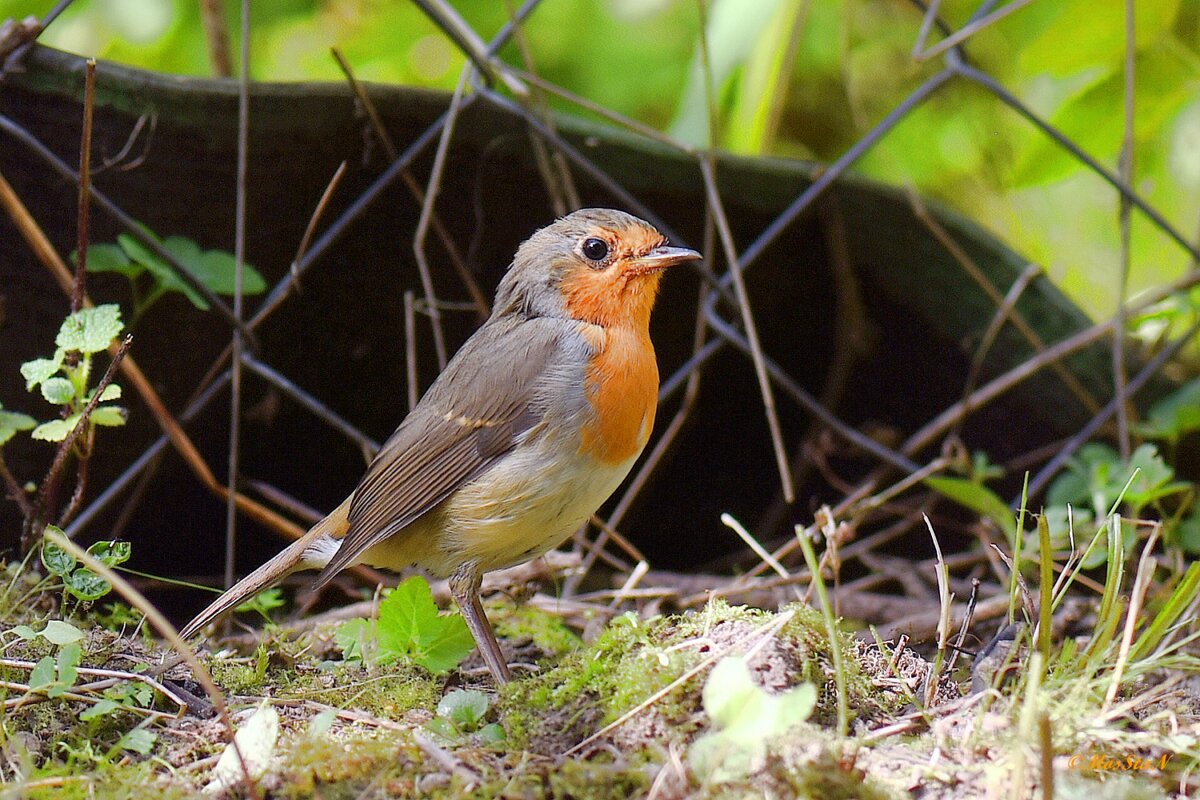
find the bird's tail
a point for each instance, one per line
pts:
(311, 551)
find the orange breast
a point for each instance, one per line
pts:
(622, 387)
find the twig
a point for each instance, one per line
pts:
(410, 349)
(319, 211)
(239, 264)
(764, 384)
(14, 490)
(1124, 219)
(212, 15)
(431, 192)
(113, 677)
(85, 182)
(966, 31)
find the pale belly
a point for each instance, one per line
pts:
(514, 512)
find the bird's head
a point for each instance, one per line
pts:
(596, 265)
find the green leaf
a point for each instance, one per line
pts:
(443, 728)
(109, 258)
(353, 638)
(1086, 34)
(138, 740)
(90, 330)
(61, 633)
(1166, 79)
(111, 553)
(1175, 415)
(86, 585)
(465, 708)
(100, 709)
(57, 561)
(109, 416)
(58, 390)
(43, 674)
(491, 734)
(216, 269)
(11, 422)
(978, 498)
(55, 430)
(24, 632)
(445, 647)
(111, 392)
(409, 624)
(1187, 534)
(407, 613)
(740, 708)
(320, 725)
(745, 717)
(69, 656)
(39, 369)
(758, 90)
(162, 272)
(264, 602)
(734, 27)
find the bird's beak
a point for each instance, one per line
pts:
(663, 257)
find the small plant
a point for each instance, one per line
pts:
(461, 713)
(745, 718)
(264, 603)
(65, 380)
(409, 626)
(79, 581)
(150, 277)
(57, 674)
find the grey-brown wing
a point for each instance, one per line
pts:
(472, 415)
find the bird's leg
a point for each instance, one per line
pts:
(464, 587)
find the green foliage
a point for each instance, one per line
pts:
(150, 277)
(264, 603)
(12, 422)
(971, 493)
(55, 632)
(1175, 415)
(78, 581)
(460, 713)
(1098, 480)
(745, 719)
(56, 674)
(409, 626)
(64, 378)
(976, 497)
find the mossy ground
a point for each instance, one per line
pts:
(349, 731)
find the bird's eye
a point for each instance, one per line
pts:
(595, 249)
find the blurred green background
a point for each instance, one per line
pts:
(798, 79)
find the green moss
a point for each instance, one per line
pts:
(548, 632)
(627, 663)
(132, 780)
(342, 766)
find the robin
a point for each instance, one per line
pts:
(532, 425)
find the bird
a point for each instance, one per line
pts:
(532, 425)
